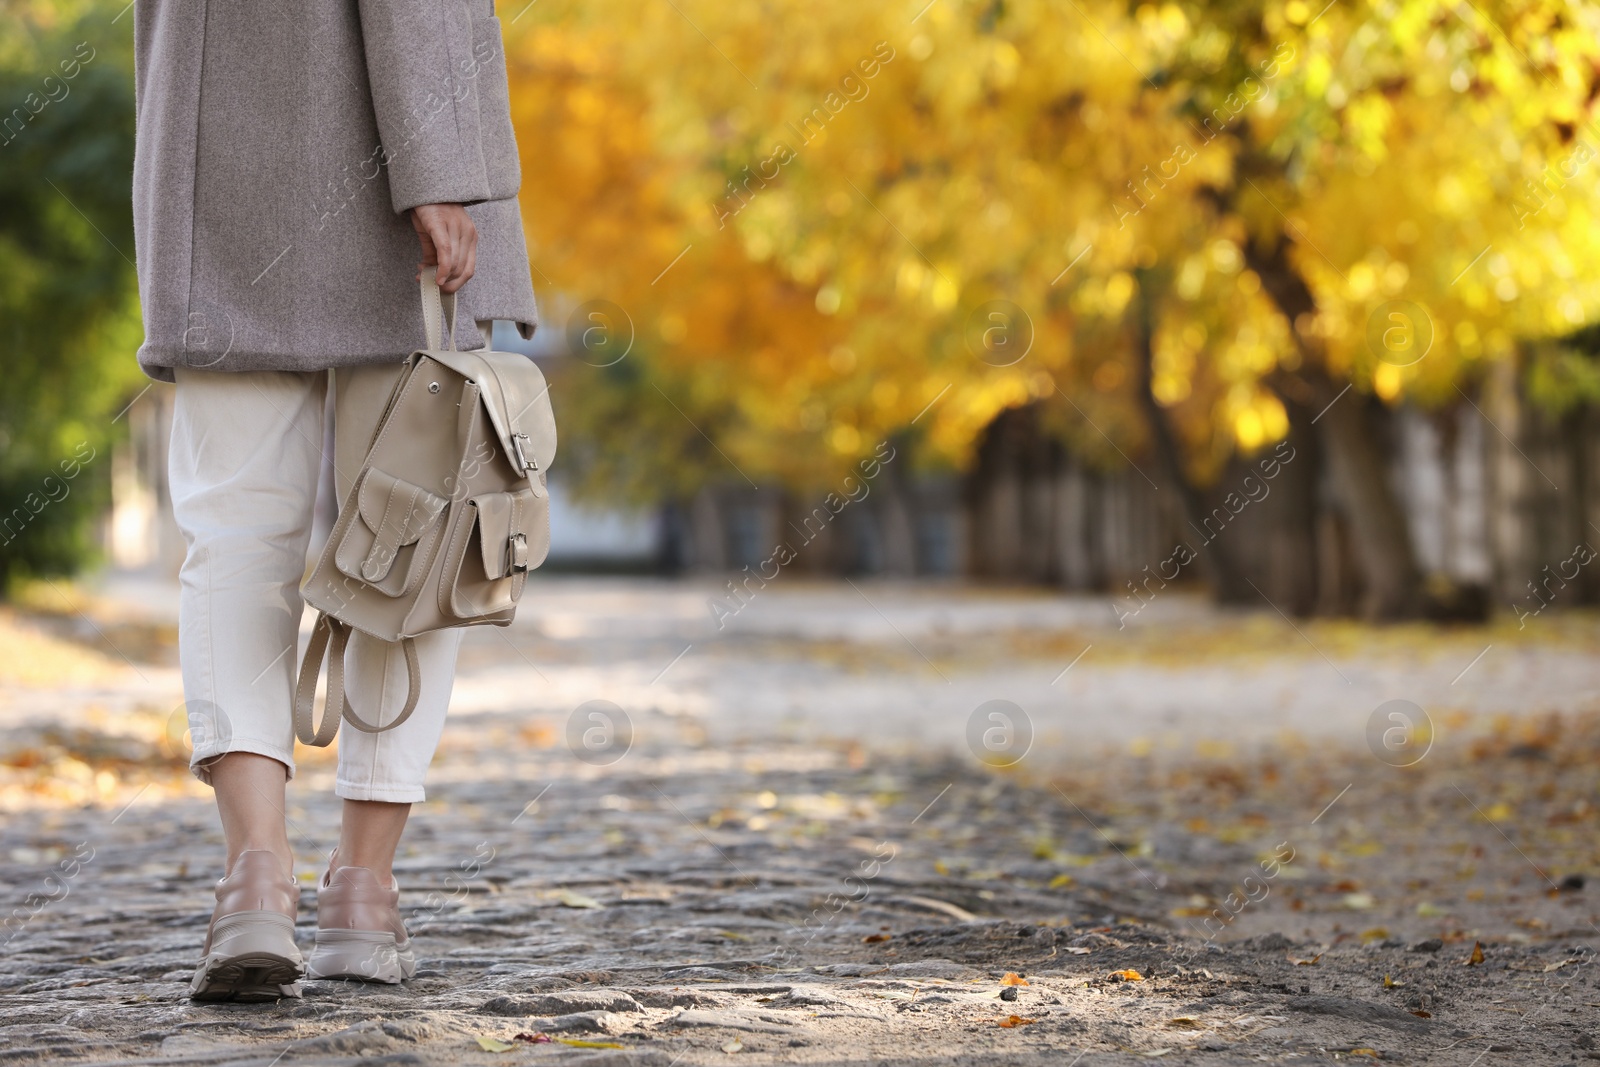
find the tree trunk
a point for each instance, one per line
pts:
(1227, 579)
(1377, 524)
(1291, 554)
(994, 498)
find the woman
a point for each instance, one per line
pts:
(290, 161)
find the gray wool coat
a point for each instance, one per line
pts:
(278, 150)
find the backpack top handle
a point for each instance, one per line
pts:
(438, 308)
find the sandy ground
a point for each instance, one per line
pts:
(811, 841)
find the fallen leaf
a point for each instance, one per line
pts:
(1061, 880)
(1312, 962)
(1377, 933)
(1013, 978)
(733, 1046)
(1184, 1022)
(541, 1038)
(1364, 1052)
(1429, 910)
(1477, 954)
(580, 1043)
(1557, 966)
(1390, 983)
(874, 938)
(1129, 975)
(1078, 950)
(1153, 1053)
(569, 898)
(1419, 1013)
(1015, 1020)
(493, 1044)
(1358, 901)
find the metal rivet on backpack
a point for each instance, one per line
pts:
(433, 387)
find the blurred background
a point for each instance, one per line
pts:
(1200, 400)
(1306, 291)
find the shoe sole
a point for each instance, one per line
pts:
(253, 958)
(248, 979)
(361, 955)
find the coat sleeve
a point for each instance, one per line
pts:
(438, 76)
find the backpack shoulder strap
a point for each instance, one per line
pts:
(330, 637)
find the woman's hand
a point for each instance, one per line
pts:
(449, 242)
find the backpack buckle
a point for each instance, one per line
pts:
(519, 446)
(518, 546)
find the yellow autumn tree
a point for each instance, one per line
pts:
(820, 219)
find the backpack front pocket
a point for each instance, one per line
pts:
(503, 537)
(386, 543)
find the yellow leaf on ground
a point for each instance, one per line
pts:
(576, 1042)
(730, 1047)
(493, 1044)
(1013, 978)
(1129, 975)
(1477, 954)
(570, 898)
(1312, 962)
(1015, 1020)
(1184, 1022)
(1061, 880)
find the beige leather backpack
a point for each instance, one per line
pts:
(445, 519)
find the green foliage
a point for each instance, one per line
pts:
(1561, 376)
(68, 293)
(622, 439)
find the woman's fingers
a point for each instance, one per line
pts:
(449, 240)
(458, 227)
(471, 265)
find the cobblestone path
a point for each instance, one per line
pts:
(686, 898)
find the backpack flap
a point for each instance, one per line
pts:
(517, 399)
(502, 537)
(379, 548)
(505, 549)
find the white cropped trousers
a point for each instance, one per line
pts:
(246, 451)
